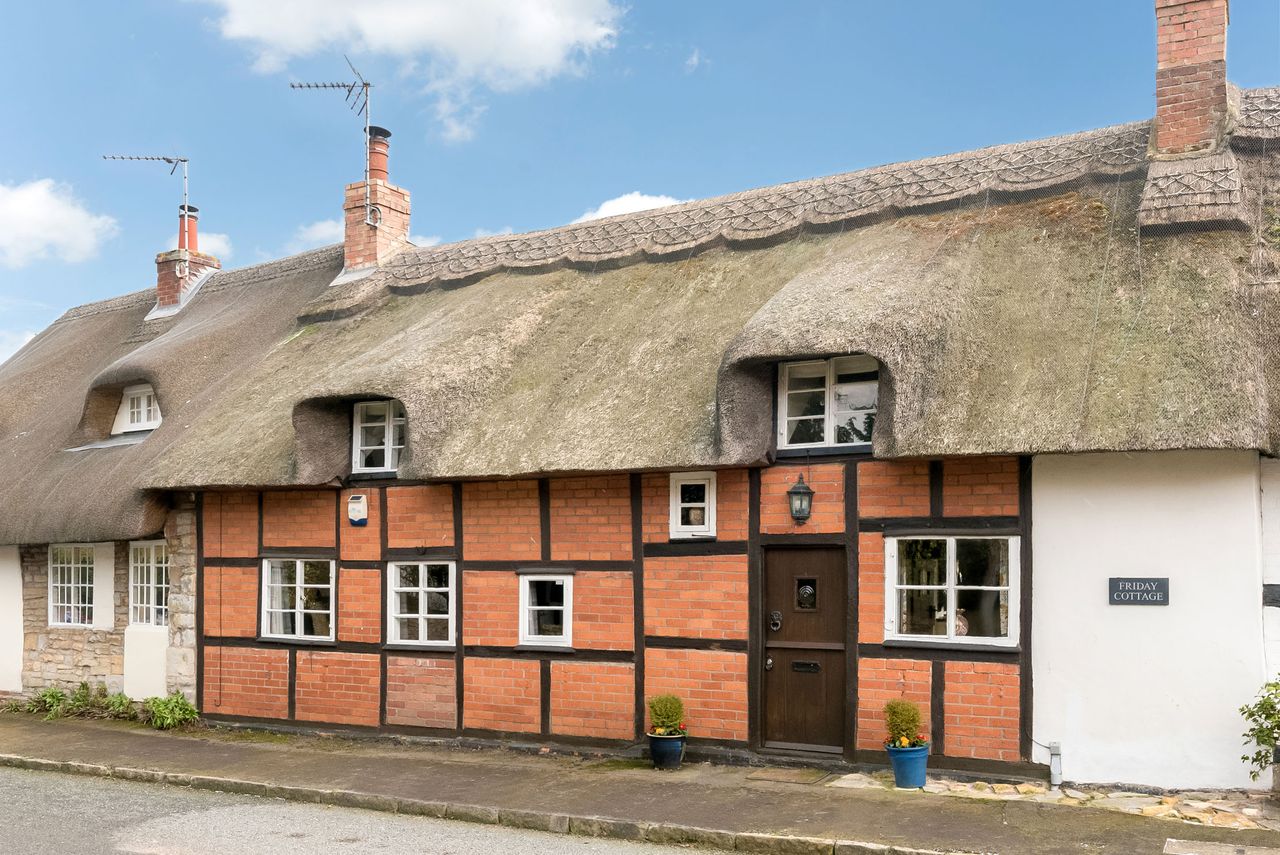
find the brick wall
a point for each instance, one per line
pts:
(882, 680)
(981, 710)
(603, 611)
(231, 601)
(299, 518)
(342, 688)
(491, 605)
(231, 525)
(696, 597)
(827, 482)
(871, 580)
(419, 516)
(1191, 74)
(246, 682)
(893, 488)
(712, 684)
(361, 542)
(359, 605)
(501, 521)
(502, 694)
(732, 504)
(591, 518)
(421, 692)
(594, 699)
(655, 507)
(980, 487)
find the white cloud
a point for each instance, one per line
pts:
(695, 60)
(484, 233)
(453, 46)
(319, 233)
(42, 219)
(12, 340)
(211, 243)
(628, 203)
(424, 240)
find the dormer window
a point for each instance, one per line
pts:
(827, 402)
(139, 410)
(378, 436)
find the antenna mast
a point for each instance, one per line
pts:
(358, 99)
(175, 162)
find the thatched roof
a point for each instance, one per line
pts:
(1017, 297)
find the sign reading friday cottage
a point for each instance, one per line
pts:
(1126, 591)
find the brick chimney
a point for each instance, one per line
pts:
(377, 232)
(178, 269)
(1191, 76)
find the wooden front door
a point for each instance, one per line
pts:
(806, 606)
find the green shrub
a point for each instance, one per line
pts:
(168, 713)
(50, 702)
(1263, 733)
(902, 719)
(120, 706)
(666, 712)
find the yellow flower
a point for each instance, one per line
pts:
(903, 741)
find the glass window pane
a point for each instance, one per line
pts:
(802, 431)
(546, 622)
(546, 592)
(922, 562)
(437, 604)
(437, 576)
(374, 459)
(693, 516)
(373, 413)
(437, 630)
(847, 367)
(408, 576)
(397, 436)
(855, 396)
(282, 597)
(393, 458)
(315, 572)
(982, 562)
(922, 612)
(982, 614)
(315, 599)
(280, 572)
(855, 428)
(281, 623)
(315, 624)
(693, 494)
(807, 377)
(407, 604)
(397, 410)
(408, 629)
(373, 435)
(806, 403)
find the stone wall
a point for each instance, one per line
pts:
(180, 532)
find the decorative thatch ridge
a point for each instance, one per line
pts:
(1259, 114)
(1194, 190)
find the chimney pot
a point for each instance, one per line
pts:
(188, 234)
(378, 152)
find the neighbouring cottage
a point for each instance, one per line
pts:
(910, 431)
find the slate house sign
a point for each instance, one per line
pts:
(1127, 591)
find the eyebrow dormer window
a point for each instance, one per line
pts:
(827, 402)
(378, 437)
(139, 410)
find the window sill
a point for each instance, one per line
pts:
(862, 449)
(85, 626)
(692, 538)
(925, 644)
(374, 475)
(544, 648)
(297, 642)
(407, 647)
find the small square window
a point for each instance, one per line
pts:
(139, 410)
(149, 584)
(420, 608)
(693, 504)
(546, 610)
(962, 590)
(378, 436)
(71, 585)
(827, 402)
(297, 598)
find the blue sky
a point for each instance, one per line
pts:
(512, 114)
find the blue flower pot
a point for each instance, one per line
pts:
(909, 766)
(666, 751)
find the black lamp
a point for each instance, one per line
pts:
(801, 498)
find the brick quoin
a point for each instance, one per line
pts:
(981, 710)
(502, 694)
(231, 601)
(501, 521)
(419, 516)
(359, 605)
(871, 575)
(298, 518)
(421, 692)
(339, 688)
(980, 487)
(591, 518)
(827, 482)
(246, 682)
(696, 597)
(231, 525)
(712, 684)
(893, 488)
(594, 699)
(883, 680)
(361, 542)
(731, 505)
(491, 614)
(603, 611)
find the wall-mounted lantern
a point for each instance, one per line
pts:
(801, 498)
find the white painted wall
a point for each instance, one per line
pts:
(1147, 694)
(10, 620)
(1271, 558)
(104, 586)
(146, 656)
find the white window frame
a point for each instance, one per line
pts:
(264, 617)
(144, 591)
(394, 615)
(891, 589)
(391, 452)
(829, 410)
(526, 637)
(62, 576)
(679, 479)
(146, 416)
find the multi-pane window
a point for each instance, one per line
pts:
(546, 610)
(960, 589)
(378, 437)
(421, 603)
(297, 598)
(139, 410)
(149, 583)
(71, 585)
(827, 402)
(693, 504)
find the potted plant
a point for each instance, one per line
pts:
(666, 731)
(1263, 733)
(908, 750)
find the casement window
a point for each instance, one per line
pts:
(420, 606)
(149, 583)
(827, 402)
(546, 610)
(952, 589)
(71, 585)
(378, 436)
(297, 599)
(139, 410)
(693, 504)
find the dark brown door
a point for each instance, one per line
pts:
(806, 606)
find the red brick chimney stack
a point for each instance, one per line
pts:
(1191, 76)
(178, 269)
(375, 233)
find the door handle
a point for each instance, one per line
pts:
(768, 663)
(775, 621)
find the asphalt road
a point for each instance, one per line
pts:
(45, 812)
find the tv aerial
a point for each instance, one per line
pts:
(358, 99)
(174, 161)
